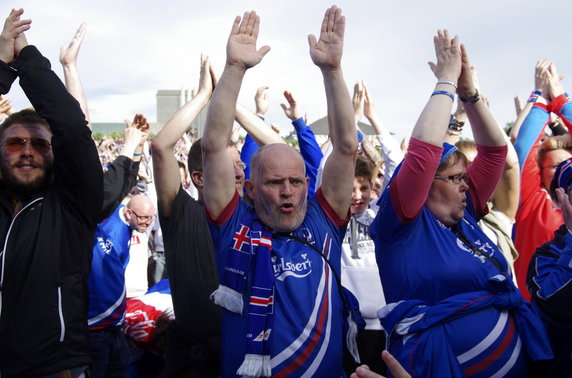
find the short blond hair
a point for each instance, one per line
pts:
(561, 142)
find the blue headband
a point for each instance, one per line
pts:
(448, 149)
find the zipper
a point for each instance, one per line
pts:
(61, 314)
(3, 252)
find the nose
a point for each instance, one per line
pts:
(286, 189)
(27, 149)
(238, 172)
(356, 194)
(464, 185)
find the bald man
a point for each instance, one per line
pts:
(107, 293)
(278, 262)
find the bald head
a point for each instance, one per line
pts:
(139, 212)
(272, 154)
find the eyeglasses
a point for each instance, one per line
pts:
(143, 218)
(240, 164)
(455, 179)
(16, 144)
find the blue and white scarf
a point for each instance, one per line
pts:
(251, 251)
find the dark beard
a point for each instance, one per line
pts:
(23, 190)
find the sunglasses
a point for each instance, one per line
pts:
(17, 144)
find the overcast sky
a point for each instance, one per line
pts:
(133, 48)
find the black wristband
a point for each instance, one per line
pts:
(471, 99)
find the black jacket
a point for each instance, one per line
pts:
(46, 247)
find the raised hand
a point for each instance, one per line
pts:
(518, 106)
(554, 86)
(326, 53)
(68, 55)
(5, 106)
(241, 47)
(138, 130)
(448, 66)
(205, 79)
(292, 111)
(12, 38)
(358, 100)
(467, 84)
(540, 78)
(261, 100)
(368, 108)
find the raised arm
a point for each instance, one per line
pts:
(77, 170)
(12, 40)
(326, 53)
(484, 126)
(165, 166)
(121, 174)
(256, 127)
(309, 147)
(68, 59)
(413, 181)
(540, 89)
(218, 167)
(390, 149)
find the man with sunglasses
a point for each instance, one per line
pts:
(50, 200)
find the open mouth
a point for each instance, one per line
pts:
(287, 207)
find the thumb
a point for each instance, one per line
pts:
(312, 40)
(264, 50)
(284, 107)
(433, 66)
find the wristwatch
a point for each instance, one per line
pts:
(471, 99)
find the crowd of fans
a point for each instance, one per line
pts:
(189, 256)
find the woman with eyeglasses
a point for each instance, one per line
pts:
(453, 309)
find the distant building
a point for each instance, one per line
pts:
(168, 101)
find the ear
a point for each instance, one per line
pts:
(250, 189)
(127, 213)
(197, 177)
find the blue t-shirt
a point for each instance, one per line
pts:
(307, 336)
(425, 260)
(106, 282)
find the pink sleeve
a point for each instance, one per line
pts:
(410, 187)
(484, 175)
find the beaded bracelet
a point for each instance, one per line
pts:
(449, 94)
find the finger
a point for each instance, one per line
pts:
(236, 25)
(284, 107)
(244, 24)
(255, 26)
(251, 22)
(436, 44)
(393, 365)
(325, 21)
(340, 24)
(455, 44)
